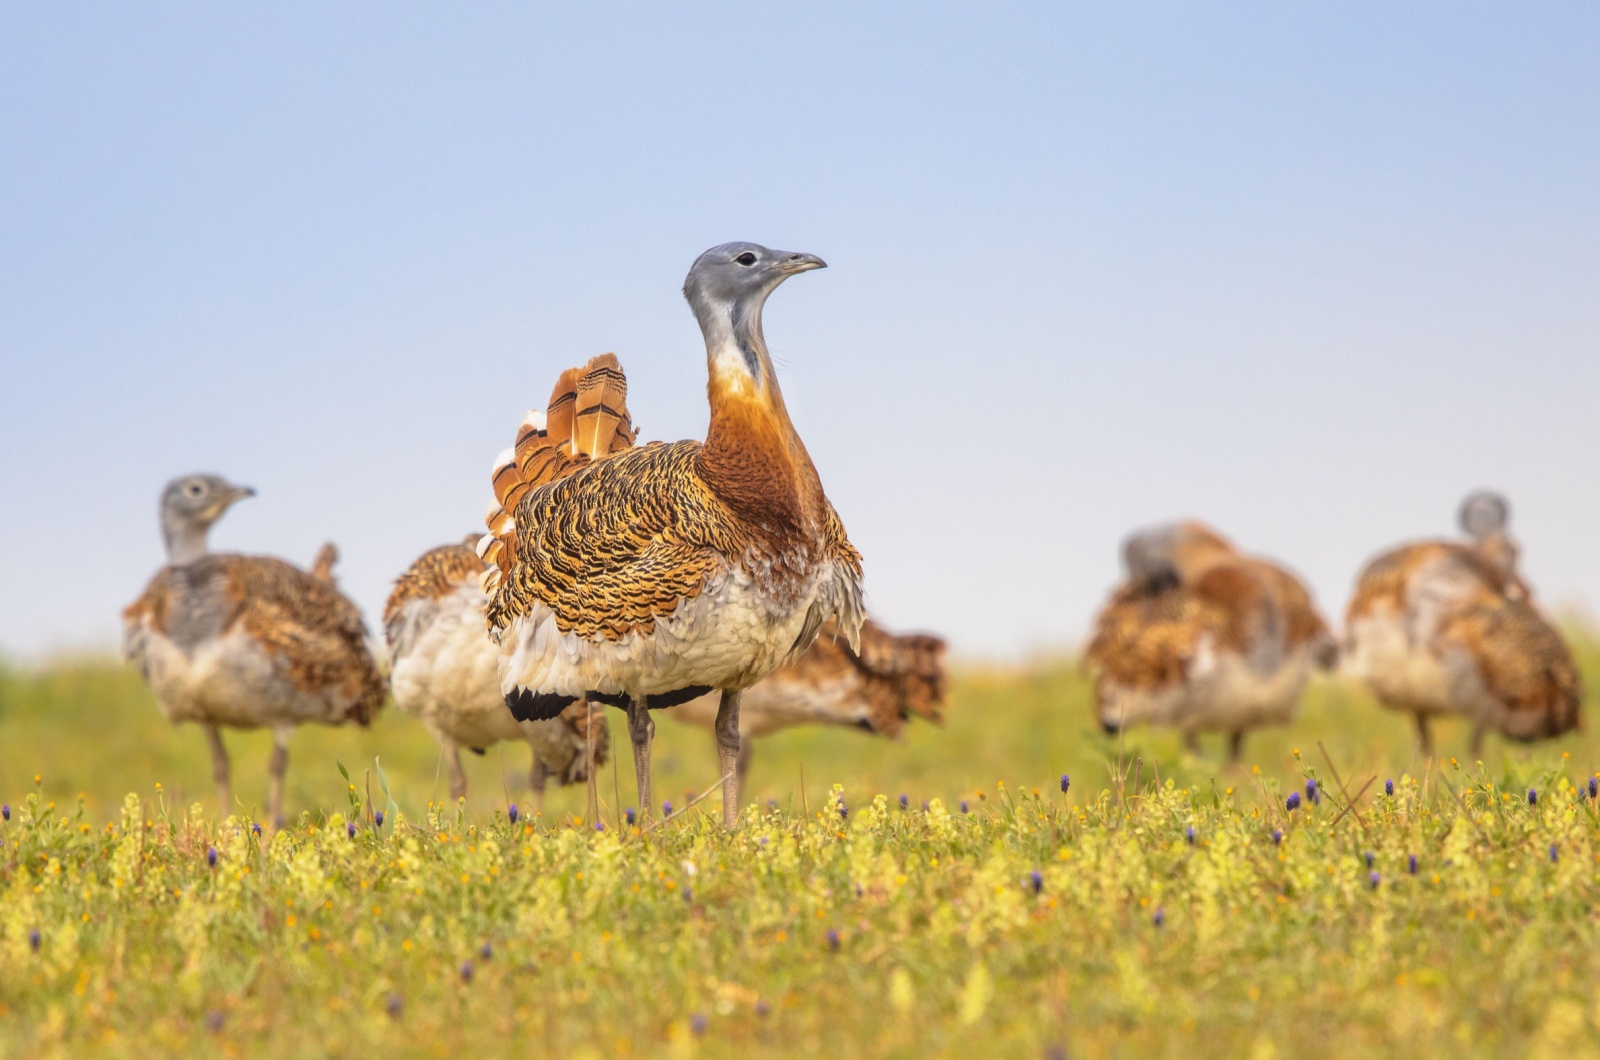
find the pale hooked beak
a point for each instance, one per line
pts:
(789, 264)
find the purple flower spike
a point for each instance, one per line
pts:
(924, 805)
(513, 813)
(1313, 792)
(1374, 879)
(377, 818)
(350, 829)
(1594, 789)
(1037, 879)
(599, 826)
(762, 1008)
(1371, 857)
(1533, 796)
(466, 971)
(1411, 864)
(486, 951)
(688, 893)
(697, 1024)
(963, 805)
(1277, 837)
(395, 1005)
(34, 940)
(1160, 919)
(1555, 854)
(1388, 787)
(844, 812)
(833, 940)
(211, 856)
(256, 828)
(666, 809)
(1188, 833)
(1293, 801)
(904, 802)
(5, 811)
(214, 1021)
(629, 815)
(1066, 782)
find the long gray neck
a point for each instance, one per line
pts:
(735, 342)
(186, 540)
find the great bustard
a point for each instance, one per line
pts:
(1201, 638)
(1445, 627)
(892, 678)
(245, 642)
(649, 576)
(443, 670)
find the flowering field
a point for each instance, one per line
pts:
(1163, 904)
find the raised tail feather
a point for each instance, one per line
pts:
(322, 566)
(587, 418)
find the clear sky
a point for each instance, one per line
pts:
(1309, 272)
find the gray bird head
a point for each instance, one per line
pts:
(189, 505)
(1484, 514)
(1150, 556)
(727, 286)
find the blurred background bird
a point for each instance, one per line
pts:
(1450, 628)
(889, 680)
(231, 641)
(443, 671)
(1201, 638)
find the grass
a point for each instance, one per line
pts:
(883, 931)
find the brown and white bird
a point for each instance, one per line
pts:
(891, 679)
(245, 642)
(647, 577)
(1445, 627)
(443, 669)
(1201, 638)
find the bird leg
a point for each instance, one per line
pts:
(640, 730)
(277, 766)
(728, 756)
(220, 770)
(588, 751)
(1235, 746)
(458, 774)
(1424, 737)
(1477, 740)
(537, 776)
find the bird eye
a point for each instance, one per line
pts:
(195, 489)
(747, 259)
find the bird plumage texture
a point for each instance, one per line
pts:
(654, 574)
(444, 671)
(1200, 637)
(1450, 628)
(889, 680)
(246, 641)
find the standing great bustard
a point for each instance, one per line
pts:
(1441, 627)
(1202, 638)
(646, 577)
(243, 642)
(876, 689)
(443, 670)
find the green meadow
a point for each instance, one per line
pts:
(1165, 904)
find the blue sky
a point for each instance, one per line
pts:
(1310, 275)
